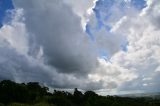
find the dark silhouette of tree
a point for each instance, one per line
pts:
(36, 91)
(33, 94)
(12, 92)
(78, 96)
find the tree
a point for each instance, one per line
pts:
(78, 96)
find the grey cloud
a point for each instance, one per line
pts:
(20, 68)
(109, 42)
(66, 54)
(58, 30)
(142, 84)
(17, 67)
(66, 48)
(153, 13)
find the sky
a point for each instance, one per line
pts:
(109, 46)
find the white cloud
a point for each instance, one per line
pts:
(83, 8)
(15, 33)
(112, 74)
(142, 58)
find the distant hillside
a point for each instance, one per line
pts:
(151, 94)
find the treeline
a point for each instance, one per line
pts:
(32, 94)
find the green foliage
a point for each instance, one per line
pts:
(32, 94)
(1, 104)
(18, 104)
(38, 104)
(43, 104)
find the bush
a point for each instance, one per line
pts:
(18, 104)
(1, 104)
(43, 104)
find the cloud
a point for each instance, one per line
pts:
(141, 57)
(83, 9)
(57, 56)
(10, 32)
(45, 41)
(65, 47)
(64, 43)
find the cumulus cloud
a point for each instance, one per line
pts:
(10, 32)
(26, 56)
(141, 57)
(65, 47)
(64, 43)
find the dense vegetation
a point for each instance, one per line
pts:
(32, 94)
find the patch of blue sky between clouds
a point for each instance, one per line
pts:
(89, 32)
(139, 4)
(102, 6)
(104, 9)
(104, 55)
(103, 12)
(99, 24)
(5, 5)
(124, 46)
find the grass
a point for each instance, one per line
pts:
(20, 104)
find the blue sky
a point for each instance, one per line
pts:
(4, 6)
(102, 5)
(105, 7)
